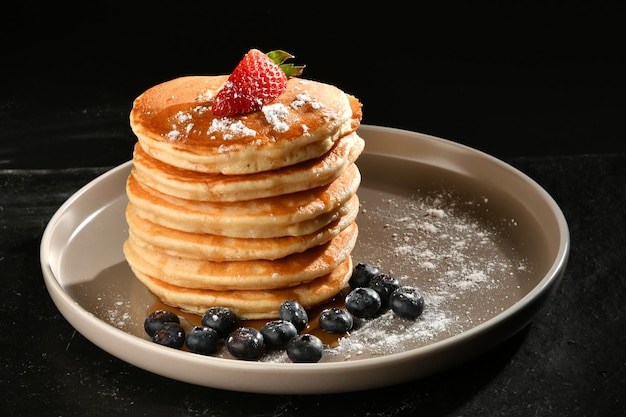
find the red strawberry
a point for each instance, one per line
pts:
(255, 81)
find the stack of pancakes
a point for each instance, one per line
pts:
(248, 211)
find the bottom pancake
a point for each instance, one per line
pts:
(251, 304)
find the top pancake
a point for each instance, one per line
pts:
(174, 124)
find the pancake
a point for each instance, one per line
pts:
(221, 248)
(202, 186)
(242, 275)
(245, 211)
(173, 123)
(251, 304)
(293, 214)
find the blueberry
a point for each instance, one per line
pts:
(384, 284)
(363, 302)
(155, 319)
(245, 343)
(170, 334)
(305, 348)
(222, 319)
(362, 273)
(407, 302)
(203, 340)
(277, 333)
(293, 311)
(336, 320)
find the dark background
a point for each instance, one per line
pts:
(520, 79)
(539, 84)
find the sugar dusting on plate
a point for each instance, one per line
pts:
(442, 244)
(439, 242)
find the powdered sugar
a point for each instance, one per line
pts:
(444, 247)
(452, 249)
(304, 98)
(117, 311)
(229, 128)
(279, 116)
(183, 122)
(206, 96)
(276, 115)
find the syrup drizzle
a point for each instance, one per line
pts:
(189, 320)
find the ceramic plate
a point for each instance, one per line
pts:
(483, 242)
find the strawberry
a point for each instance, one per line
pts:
(258, 79)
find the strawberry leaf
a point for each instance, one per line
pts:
(291, 70)
(279, 57)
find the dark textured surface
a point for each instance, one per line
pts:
(541, 88)
(569, 361)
